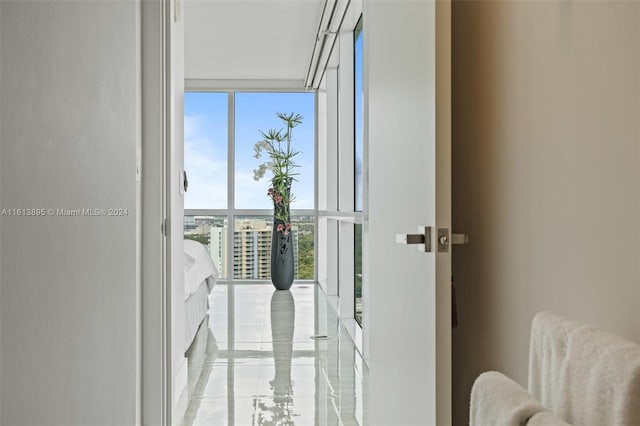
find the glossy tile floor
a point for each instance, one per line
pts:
(254, 362)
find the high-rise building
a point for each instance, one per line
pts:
(218, 248)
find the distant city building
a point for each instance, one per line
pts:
(217, 247)
(189, 222)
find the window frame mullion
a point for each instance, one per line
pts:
(231, 182)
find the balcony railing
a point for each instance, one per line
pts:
(251, 248)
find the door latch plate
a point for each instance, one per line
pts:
(443, 240)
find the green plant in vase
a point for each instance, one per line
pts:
(277, 144)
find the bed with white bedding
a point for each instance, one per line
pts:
(200, 275)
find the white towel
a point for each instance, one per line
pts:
(548, 358)
(496, 400)
(546, 418)
(584, 375)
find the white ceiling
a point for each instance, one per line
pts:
(250, 39)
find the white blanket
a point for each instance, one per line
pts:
(584, 375)
(198, 266)
(499, 401)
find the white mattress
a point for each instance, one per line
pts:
(198, 266)
(195, 309)
(200, 275)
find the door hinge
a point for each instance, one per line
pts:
(163, 227)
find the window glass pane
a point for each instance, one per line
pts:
(252, 247)
(256, 112)
(205, 150)
(304, 243)
(211, 231)
(359, 117)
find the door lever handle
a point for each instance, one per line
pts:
(413, 238)
(424, 237)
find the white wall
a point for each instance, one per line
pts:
(546, 168)
(68, 140)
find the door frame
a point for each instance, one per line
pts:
(154, 342)
(443, 210)
(154, 338)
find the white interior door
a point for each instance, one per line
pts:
(407, 132)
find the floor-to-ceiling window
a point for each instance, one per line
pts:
(221, 129)
(341, 162)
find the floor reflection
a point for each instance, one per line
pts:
(279, 410)
(254, 362)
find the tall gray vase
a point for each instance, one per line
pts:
(282, 264)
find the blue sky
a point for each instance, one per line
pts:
(205, 147)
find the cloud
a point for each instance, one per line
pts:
(205, 158)
(251, 194)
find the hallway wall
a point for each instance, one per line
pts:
(69, 108)
(546, 173)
